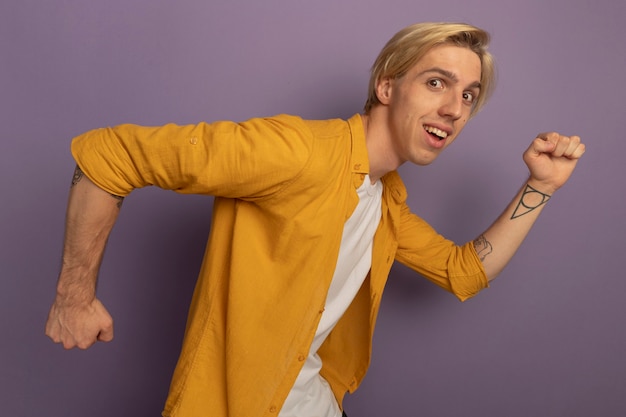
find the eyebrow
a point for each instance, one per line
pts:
(448, 74)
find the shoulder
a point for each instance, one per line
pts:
(299, 138)
(296, 125)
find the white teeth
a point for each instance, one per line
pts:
(436, 131)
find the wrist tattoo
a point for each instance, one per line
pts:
(483, 247)
(530, 200)
(78, 175)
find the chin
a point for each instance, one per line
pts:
(424, 160)
(423, 163)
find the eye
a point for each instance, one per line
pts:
(469, 96)
(435, 83)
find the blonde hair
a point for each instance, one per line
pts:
(410, 44)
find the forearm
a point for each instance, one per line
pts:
(497, 245)
(91, 214)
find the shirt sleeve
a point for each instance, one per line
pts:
(251, 159)
(454, 268)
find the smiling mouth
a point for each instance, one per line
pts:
(440, 134)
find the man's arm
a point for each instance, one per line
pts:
(551, 158)
(77, 318)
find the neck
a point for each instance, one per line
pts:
(377, 141)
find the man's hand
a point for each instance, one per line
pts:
(551, 159)
(79, 325)
(77, 318)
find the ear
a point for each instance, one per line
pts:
(383, 90)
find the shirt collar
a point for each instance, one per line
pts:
(359, 162)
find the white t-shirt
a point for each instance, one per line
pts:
(311, 395)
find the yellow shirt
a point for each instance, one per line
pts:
(283, 189)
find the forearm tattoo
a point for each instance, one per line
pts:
(120, 200)
(78, 175)
(530, 200)
(483, 247)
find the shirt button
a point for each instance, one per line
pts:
(273, 409)
(301, 358)
(357, 166)
(193, 140)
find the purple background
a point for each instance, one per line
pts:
(547, 339)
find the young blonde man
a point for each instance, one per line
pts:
(308, 219)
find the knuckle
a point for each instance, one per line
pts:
(83, 345)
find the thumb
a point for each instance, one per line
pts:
(542, 144)
(105, 324)
(106, 334)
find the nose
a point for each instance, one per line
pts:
(452, 106)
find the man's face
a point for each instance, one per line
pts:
(429, 106)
